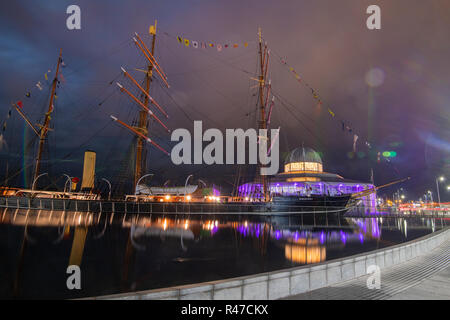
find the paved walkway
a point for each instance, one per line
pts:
(424, 277)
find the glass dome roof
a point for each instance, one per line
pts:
(302, 154)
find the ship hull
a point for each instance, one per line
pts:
(278, 205)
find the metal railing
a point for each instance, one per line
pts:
(257, 208)
(158, 207)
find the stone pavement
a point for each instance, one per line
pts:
(423, 277)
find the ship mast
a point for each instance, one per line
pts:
(140, 164)
(141, 129)
(262, 124)
(44, 127)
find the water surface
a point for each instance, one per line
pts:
(118, 253)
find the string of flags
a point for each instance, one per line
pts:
(2, 139)
(210, 44)
(6, 120)
(38, 86)
(344, 124)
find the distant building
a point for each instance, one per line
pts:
(303, 175)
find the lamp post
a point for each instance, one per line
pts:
(437, 188)
(146, 175)
(109, 184)
(185, 185)
(35, 179)
(431, 195)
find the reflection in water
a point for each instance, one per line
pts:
(120, 253)
(305, 252)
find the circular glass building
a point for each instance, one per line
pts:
(304, 175)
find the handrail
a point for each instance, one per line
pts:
(257, 208)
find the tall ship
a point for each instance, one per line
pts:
(303, 186)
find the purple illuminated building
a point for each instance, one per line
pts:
(303, 175)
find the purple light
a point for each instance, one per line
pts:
(322, 237)
(375, 228)
(343, 237)
(254, 190)
(278, 235)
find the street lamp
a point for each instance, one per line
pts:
(34, 181)
(146, 175)
(109, 184)
(437, 188)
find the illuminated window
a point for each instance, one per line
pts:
(303, 166)
(300, 179)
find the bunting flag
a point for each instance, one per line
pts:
(331, 112)
(355, 138)
(28, 94)
(39, 85)
(152, 30)
(208, 44)
(62, 77)
(46, 77)
(20, 104)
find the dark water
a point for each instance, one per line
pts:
(138, 252)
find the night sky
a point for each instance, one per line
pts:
(390, 85)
